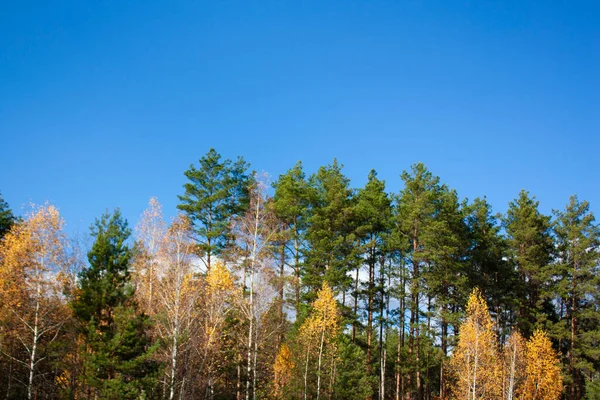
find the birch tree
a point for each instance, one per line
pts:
(475, 362)
(254, 232)
(177, 297)
(543, 378)
(32, 256)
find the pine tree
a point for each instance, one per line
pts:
(117, 351)
(428, 220)
(7, 219)
(330, 234)
(373, 211)
(216, 192)
(577, 273)
(529, 253)
(487, 266)
(291, 206)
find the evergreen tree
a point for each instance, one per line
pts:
(118, 349)
(445, 278)
(330, 233)
(577, 271)
(7, 219)
(291, 206)
(529, 253)
(374, 212)
(420, 206)
(487, 267)
(216, 192)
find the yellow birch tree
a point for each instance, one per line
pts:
(475, 366)
(282, 371)
(319, 334)
(513, 366)
(33, 255)
(543, 380)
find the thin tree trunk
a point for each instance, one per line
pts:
(319, 364)
(251, 322)
(173, 366)
(355, 322)
(35, 341)
(306, 373)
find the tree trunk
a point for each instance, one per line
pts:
(319, 364)
(35, 342)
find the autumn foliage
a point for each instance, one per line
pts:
(480, 369)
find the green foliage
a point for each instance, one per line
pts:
(487, 267)
(330, 233)
(291, 204)
(529, 253)
(7, 219)
(118, 349)
(352, 381)
(215, 192)
(576, 273)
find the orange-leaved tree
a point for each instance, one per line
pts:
(513, 366)
(543, 380)
(282, 371)
(475, 366)
(318, 334)
(32, 258)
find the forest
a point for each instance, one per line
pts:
(303, 288)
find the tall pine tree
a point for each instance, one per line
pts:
(529, 253)
(7, 219)
(577, 273)
(216, 192)
(118, 350)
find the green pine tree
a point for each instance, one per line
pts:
(216, 192)
(7, 219)
(374, 218)
(118, 350)
(330, 234)
(577, 273)
(488, 270)
(291, 206)
(530, 249)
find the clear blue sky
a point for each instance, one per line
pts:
(106, 103)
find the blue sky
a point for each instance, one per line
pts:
(104, 104)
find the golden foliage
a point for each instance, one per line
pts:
(218, 280)
(324, 318)
(475, 364)
(543, 380)
(282, 370)
(513, 365)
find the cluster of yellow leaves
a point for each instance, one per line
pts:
(218, 280)
(543, 380)
(282, 370)
(31, 256)
(325, 317)
(522, 370)
(513, 365)
(474, 365)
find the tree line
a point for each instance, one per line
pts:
(303, 288)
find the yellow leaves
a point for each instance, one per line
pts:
(543, 379)
(513, 365)
(218, 279)
(474, 365)
(524, 370)
(282, 370)
(325, 315)
(32, 254)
